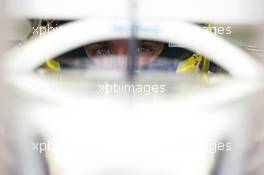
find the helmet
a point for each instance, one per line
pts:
(171, 58)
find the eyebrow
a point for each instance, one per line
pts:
(94, 45)
(109, 42)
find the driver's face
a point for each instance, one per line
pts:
(147, 51)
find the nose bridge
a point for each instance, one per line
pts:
(121, 48)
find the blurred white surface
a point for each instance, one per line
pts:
(224, 11)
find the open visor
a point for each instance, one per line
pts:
(114, 55)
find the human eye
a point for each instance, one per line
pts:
(102, 50)
(144, 48)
